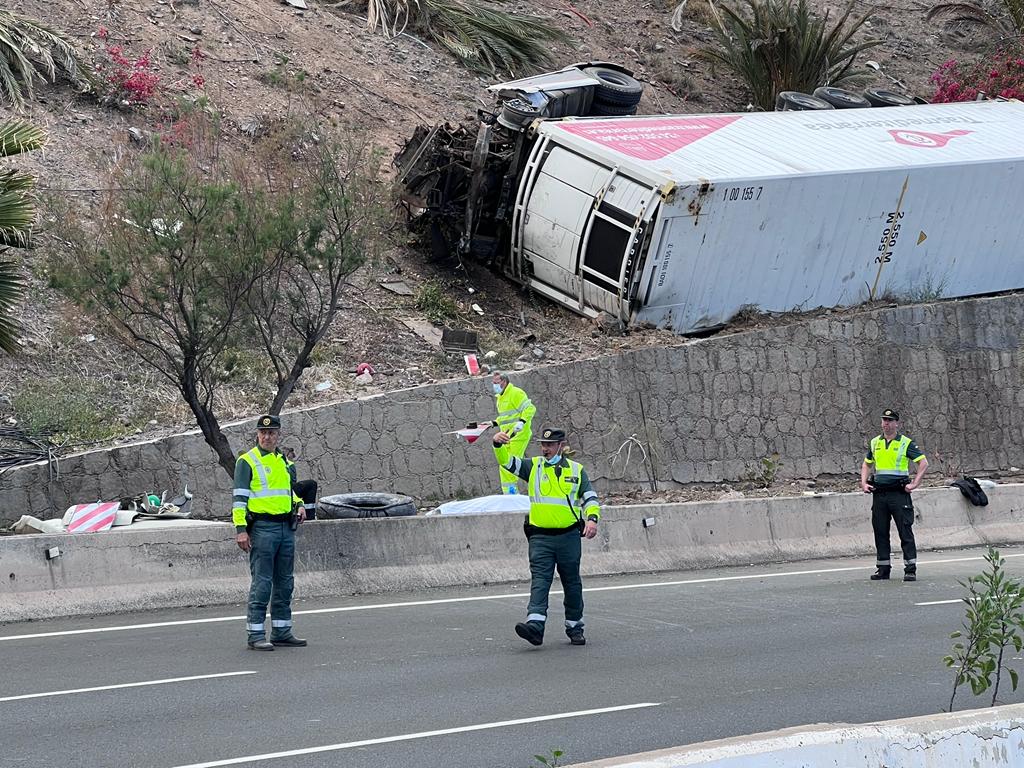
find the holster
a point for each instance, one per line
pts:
(248, 521)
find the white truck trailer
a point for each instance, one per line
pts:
(682, 220)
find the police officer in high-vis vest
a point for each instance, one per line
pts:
(515, 418)
(890, 456)
(266, 512)
(563, 508)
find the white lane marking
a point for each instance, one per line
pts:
(125, 685)
(420, 735)
(940, 602)
(474, 598)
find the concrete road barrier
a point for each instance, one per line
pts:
(981, 737)
(124, 570)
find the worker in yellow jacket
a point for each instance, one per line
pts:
(515, 416)
(563, 509)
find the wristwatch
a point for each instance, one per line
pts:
(592, 518)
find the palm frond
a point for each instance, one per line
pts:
(482, 37)
(17, 136)
(27, 53)
(1010, 22)
(12, 287)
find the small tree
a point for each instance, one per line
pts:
(993, 622)
(196, 258)
(17, 217)
(331, 225)
(781, 46)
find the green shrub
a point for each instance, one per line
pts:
(781, 46)
(432, 302)
(68, 413)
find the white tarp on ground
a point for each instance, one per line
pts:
(485, 505)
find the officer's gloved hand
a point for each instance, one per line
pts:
(518, 427)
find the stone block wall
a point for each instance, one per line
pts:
(702, 411)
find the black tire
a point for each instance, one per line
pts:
(841, 99)
(363, 505)
(616, 88)
(609, 110)
(879, 97)
(794, 101)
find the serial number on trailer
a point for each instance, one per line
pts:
(733, 194)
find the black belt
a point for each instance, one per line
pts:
(534, 530)
(280, 517)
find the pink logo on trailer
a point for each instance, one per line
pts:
(90, 518)
(925, 139)
(648, 139)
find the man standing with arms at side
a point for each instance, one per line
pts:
(265, 512)
(515, 417)
(563, 508)
(890, 454)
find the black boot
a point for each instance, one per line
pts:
(259, 644)
(289, 641)
(575, 635)
(531, 631)
(910, 575)
(881, 573)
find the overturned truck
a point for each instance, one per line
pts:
(680, 221)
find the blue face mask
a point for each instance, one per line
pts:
(555, 459)
(497, 388)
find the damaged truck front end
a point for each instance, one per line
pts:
(487, 190)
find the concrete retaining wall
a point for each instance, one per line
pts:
(131, 570)
(982, 737)
(706, 411)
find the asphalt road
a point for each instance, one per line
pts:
(438, 678)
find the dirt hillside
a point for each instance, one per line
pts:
(260, 62)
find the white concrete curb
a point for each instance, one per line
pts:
(982, 738)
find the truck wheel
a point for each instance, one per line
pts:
(794, 101)
(517, 113)
(841, 99)
(878, 97)
(610, 110)
(616, 88)
(361, 505)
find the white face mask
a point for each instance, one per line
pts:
(497, 388)
(555, 459)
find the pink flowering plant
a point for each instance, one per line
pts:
(124, 80)
(998, 75)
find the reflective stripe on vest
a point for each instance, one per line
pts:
(549, 507)
(891, 460)
(270, 490)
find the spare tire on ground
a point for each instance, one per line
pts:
(616, 88)
(841, 99)
(879, 97)
(794, 101)
(364, 505)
